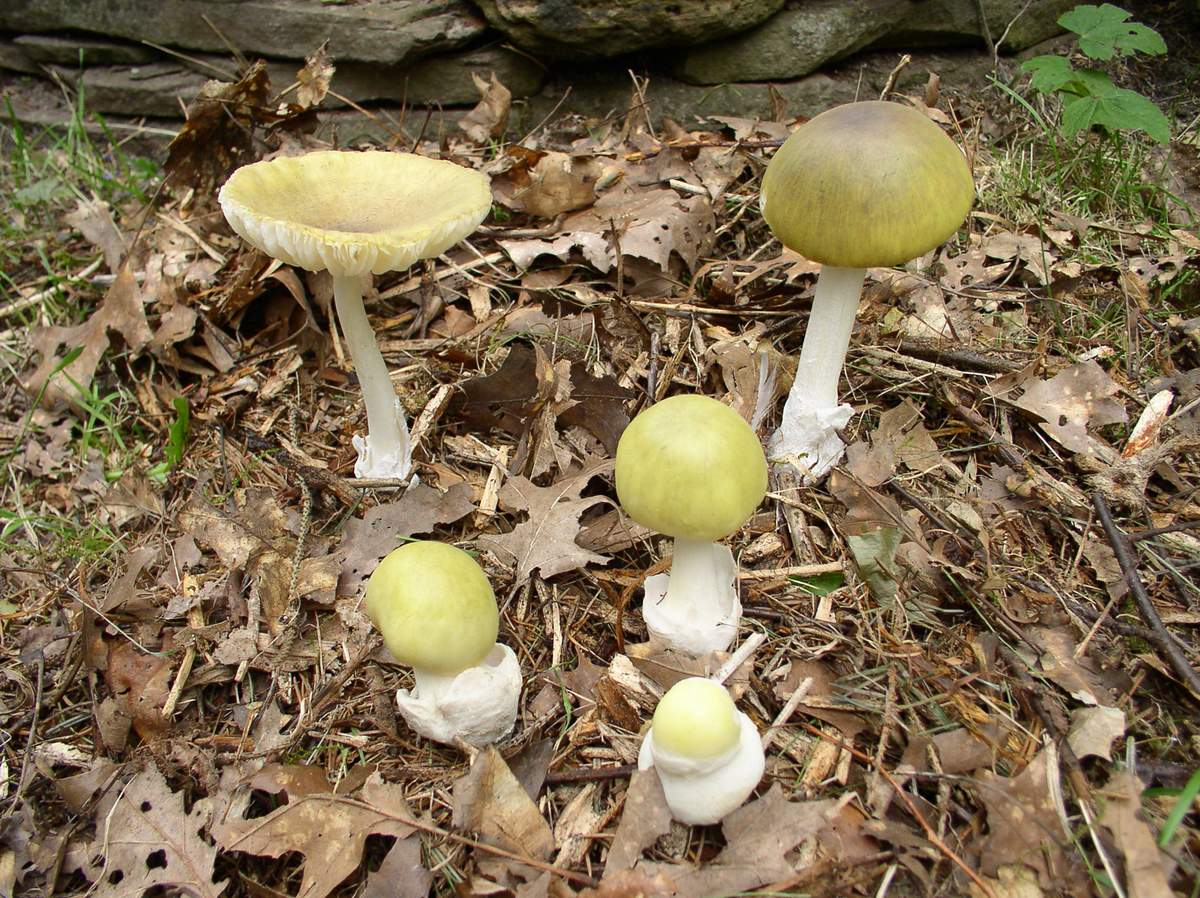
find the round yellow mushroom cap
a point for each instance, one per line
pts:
(691, 468)
(696, 719)
(866, 184)
(434, 606)
(354, 213)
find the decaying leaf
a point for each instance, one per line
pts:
(546, 183)
(758, 836)
(94, 221)
(545, 542)
(382, 529)
(329, 830)
(401, 875)
(1024, 825)
(490, 801)
(1077, 676)
(645, 818)
(649, 224)
(1094, 729)
(139, 683)
(900, 438)
(120, 311)
(1069, 401)
(1147, 870)
(314, 77)
(218, 135)
(489, 119)
(146, 840)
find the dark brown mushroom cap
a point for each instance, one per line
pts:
(866, 184)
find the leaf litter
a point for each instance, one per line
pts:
(976, 695)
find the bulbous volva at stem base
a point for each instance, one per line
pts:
(478, 705)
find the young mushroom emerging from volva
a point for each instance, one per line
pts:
(354, 215)
(691, 468)
(436, 611)
(708, 754)
(861, 185)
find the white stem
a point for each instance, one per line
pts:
(387, 433)
(431, 687)
(694, 588)
(827, 337)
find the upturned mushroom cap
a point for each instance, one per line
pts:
(354, 213)
(691, 468)
(696, 719)
(866, 184)
(434, 606)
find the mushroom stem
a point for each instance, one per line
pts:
(835, 302)
(386, 451)
(697, 609)
(431, 687)
(694, 583)
(807, 435)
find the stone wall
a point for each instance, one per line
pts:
(147, 57)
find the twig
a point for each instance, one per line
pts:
(590, 774)
(26, 764)
(912, 809)
(785, 714)
(798, 570)
(890, 84)
(738, 658)
(1161, 637)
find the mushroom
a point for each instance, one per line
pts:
(357, 214)
(691, 468)
(436, 611)
(708, 754)
(861, 185)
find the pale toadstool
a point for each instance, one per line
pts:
(691, 468)
(354, 215)
(436, 611)
(861, 185)
(708, 753)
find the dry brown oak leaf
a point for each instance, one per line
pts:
(329, 830)
(147, 840)
(545, 541)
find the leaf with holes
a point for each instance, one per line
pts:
(545, 541)
(329, 830)
(147, 840)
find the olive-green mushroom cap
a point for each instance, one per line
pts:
(866, 184)
(691, 468)
(696, 719)
(434, 606)
(354, 213)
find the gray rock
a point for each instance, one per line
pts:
(600, 28)
(386, 31)
(795, 42)
(444, 80)
(57, 50)
(599, 93)
(951, 22)
(15, 59)
(159, 89)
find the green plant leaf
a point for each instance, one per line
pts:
(1127, 110)
(1118, 110)
(1105, 31)
(875, 555)
(178, 434)
(819, 584)
(1050, 73)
